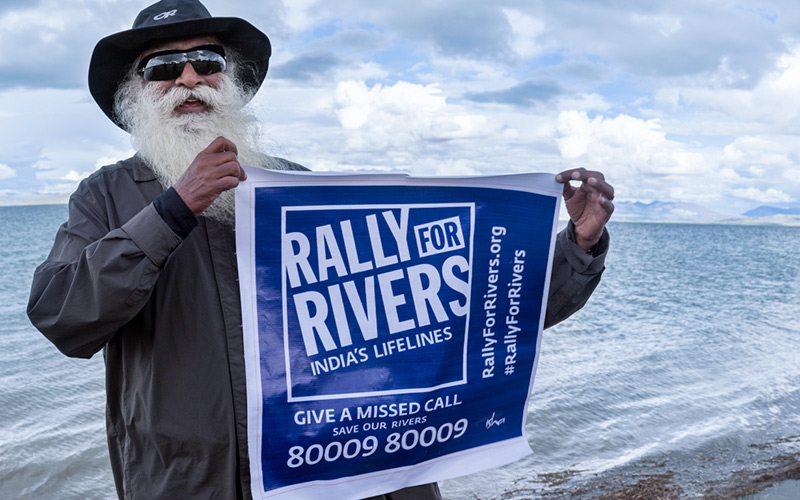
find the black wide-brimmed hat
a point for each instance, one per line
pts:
(173, 19)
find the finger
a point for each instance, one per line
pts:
(227, 158)
(578, 174)
(228, 175)
(215, 167)
(566, 175)
(583, 175)
(608, 206)
(242, 174)
(221, 145)
(230, 168)
(567, 191)
(219, 164)
(215, 160)
(604, 188)
(226, 183)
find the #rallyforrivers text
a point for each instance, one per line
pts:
(490, 306)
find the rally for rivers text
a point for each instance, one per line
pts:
(322, 312)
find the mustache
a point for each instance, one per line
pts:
(176, 96)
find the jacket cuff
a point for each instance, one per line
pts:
(152, 235)
(592, 262)
(171, 207)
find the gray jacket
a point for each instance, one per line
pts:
(166, 313)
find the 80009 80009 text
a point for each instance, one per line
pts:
(408, 440)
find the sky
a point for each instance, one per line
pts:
(695, 101)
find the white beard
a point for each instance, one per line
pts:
(169, 142)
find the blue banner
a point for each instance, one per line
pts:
(391, 326)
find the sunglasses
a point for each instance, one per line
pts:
(169, 64)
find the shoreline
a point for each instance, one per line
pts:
(785, 490)
(773, 478)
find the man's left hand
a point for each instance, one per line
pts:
(589, 205)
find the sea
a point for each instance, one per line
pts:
(684, 367)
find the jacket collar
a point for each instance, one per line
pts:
(139, 169)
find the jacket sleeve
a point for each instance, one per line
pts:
(575, 275)
(97, 277)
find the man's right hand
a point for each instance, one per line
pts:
(589, 205)
(214, 170)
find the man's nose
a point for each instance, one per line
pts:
(189, 77)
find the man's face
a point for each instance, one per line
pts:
(171, 121)
(189, 78)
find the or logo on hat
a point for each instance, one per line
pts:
(165, 15)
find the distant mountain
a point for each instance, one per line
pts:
(767, 211)
(664, 211)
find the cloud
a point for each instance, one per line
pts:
(526, 32)
(53, 40)
(774, 102)
(475, 30)
(74, 177)
(674, 40)
(637, 157)
(451, 27)
(46, 133)
(111, 155)
(299, 14)
(653, 39)
(692, 101)
(392, 116)
(523, 94)
(10, 5)
(6, 172)
(665, 25)
(57, 176)
(770, 195)
(763, 168)
(582, 136)
(307, 67)
(643, 163)
(749, 155)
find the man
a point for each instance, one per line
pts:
(145, 270)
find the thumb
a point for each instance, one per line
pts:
(568, 191)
